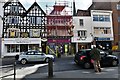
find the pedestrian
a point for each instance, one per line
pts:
(95, 56)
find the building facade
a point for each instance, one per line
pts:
(1, 22)
(114, 6)
(102, 28)
(23, 29)
(82, 32)
(97, 29)
(59, 28)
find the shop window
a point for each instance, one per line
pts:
(8, 48)
(17, 48)
(12, 48)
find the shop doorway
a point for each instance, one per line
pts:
(23, 47)
(43, 46)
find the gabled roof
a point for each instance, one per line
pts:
(10, 1)
(35, 4)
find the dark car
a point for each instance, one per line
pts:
(83, 58)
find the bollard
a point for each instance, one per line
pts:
(14, 70)
(50, 67)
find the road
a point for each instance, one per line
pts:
(60, 65)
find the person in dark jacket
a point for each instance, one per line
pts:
(95, 56)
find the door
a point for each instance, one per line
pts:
(39, 56)
(30, 56)
(104, 59)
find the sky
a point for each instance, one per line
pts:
(80, 4)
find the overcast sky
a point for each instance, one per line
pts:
(80, 4)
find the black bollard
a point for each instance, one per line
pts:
(50, 67)
(14, 70)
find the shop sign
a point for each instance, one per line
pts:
(102, 39)
(22, 41)
(59, 40)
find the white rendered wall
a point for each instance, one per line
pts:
(101, 23)
(87, 26)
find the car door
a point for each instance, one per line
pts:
(40, 56)
(30, 56)
(104, 59)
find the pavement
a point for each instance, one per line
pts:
(84, 74)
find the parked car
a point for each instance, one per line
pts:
(83, 58)
(33, 56)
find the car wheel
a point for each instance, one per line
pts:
(46, 60)
(23, 61)
(87, 65)
(114, 63)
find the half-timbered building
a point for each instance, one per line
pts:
(23, 29)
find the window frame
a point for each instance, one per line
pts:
(81, 22)
(82, 33)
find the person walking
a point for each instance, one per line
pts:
(95, 56)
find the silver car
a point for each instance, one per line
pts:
(35, 56)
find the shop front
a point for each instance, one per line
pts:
(59, 46)
(11, 47)
(104, 43)
(82, 43)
